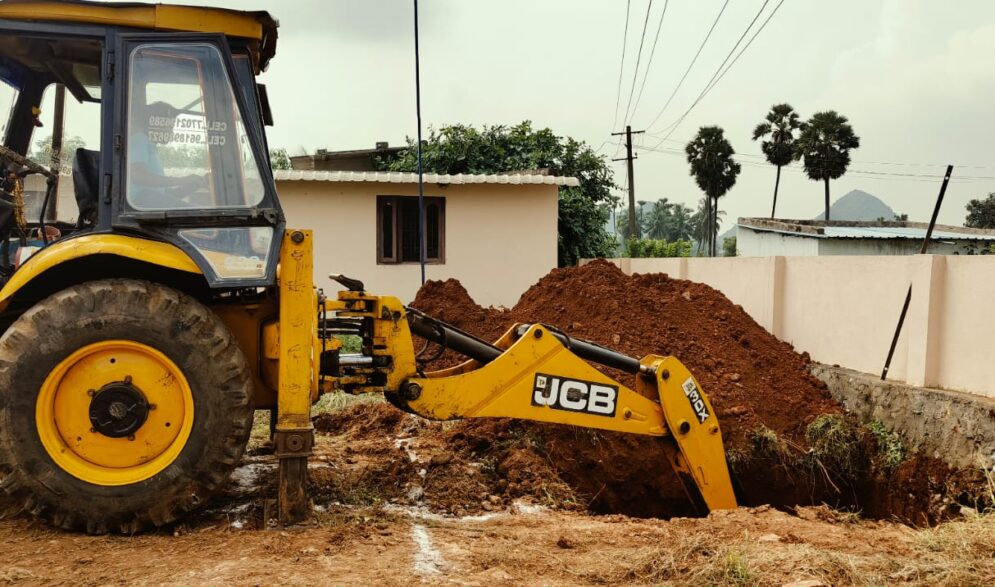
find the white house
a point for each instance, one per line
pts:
(761, 237)
(497, 234)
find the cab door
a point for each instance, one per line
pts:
(189, 157)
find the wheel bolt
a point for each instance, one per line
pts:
(131, 438)
(91, 392)
(127, 378)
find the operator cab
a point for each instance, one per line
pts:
(162, 132)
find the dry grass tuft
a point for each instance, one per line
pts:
(960, 552)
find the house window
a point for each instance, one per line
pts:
(397, 229)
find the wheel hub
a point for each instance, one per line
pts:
(114, 412)
(118, 409)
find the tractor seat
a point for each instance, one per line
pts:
(86, 183)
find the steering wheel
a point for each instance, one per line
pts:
(23, 161)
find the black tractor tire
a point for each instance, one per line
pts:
(174, 324)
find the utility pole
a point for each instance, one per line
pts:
(633, 233)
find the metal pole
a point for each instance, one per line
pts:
(633, 230)
(922, 251)
(57, 139)
(421, 187)
(633, 227)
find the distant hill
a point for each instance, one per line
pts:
(858, 205)
(855, 205)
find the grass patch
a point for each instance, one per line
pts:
(835, 443)
(767, 443)
(735, 569)
(891, 451)
(955, 553)
(350, 343)
(331, 403)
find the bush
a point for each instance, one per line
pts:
(647, 247)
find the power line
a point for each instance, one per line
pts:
(639, 57)
(859, 161)
(649, 63)
(729, 54)
(863, 173)
(747, 46)
(621, 67)
(715, 80)
(690, 66)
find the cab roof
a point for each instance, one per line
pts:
(259, 28)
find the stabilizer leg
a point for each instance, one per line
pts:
(294, 436)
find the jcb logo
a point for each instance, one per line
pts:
(697, 402)
(573, 395)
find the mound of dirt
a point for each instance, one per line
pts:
(755, 382)
(752, 378)
(787, 441)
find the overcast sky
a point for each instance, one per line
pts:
(915, 78)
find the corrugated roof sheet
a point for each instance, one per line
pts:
(879, 232)
(399, 177)
(894, 232)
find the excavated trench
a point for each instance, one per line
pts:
(787, 440)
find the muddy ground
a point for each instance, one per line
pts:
(381, 518)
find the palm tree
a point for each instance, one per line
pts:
(780, 125)
(824, 144)
(681, 227)
(699, 222)
(714, 170)
(658, 223)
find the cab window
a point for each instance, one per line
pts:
(80, 131)
(187, 147)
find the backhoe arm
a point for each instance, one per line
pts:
(535, 372)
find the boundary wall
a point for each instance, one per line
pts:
(843, 310)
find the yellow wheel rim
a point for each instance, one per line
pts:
(62, 413)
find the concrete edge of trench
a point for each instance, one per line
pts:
(955, 427)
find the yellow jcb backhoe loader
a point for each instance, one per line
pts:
(139, 338)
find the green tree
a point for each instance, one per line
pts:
(714, 170)
(778, 130)
(279, 159)
(584, 211)
(981, 213)
(824, 144)
(729, 247)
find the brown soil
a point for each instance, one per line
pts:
(761, 389)
(369, 528)
(357, 536)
